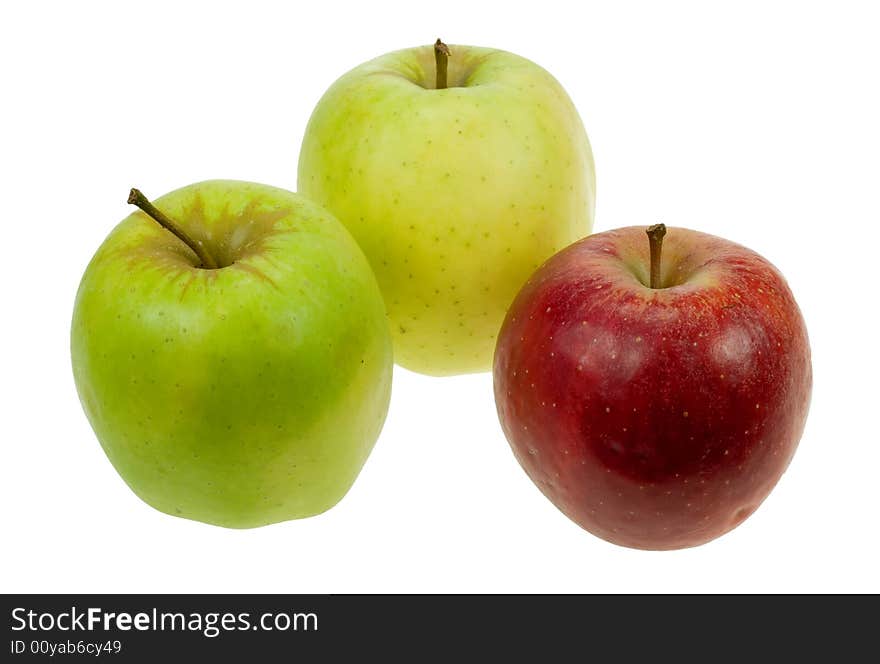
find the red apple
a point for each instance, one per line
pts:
(655, 418)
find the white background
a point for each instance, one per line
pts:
(757, 122)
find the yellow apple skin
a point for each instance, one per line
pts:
(455, 195)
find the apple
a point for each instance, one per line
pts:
(655, 393)
(240, 372)
(456, 189)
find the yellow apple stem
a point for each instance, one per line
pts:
(135, 197)
(655, 240)
(441, 57)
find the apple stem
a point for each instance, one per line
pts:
(441, 57)
(655, 239)
(135, 197)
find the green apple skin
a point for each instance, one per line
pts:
(239, 396)
(455, 195)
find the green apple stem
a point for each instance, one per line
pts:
(441, 57)
(655, 239)
(135, 197)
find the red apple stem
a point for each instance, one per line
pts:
(135, 197)
(441, 57)
(655, 240)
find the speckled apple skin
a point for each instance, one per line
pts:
(456, 196)
(655, 419)
(240, 396)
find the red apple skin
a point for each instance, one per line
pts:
(654, 418)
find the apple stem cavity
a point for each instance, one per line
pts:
(655, 240)
(135, 197)
(441, 57)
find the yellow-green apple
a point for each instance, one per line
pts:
(655, 401)
(238, 373)
(456, 189)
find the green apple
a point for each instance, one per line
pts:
(239, 373)
(456, 194)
